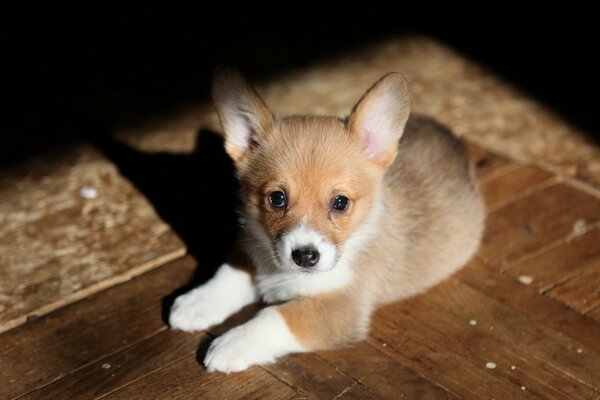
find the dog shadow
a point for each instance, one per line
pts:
(195, 193)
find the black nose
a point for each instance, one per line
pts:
(305, 256)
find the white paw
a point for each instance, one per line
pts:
(210, 304)
(231, 352)
(195, 311)
(259, 341)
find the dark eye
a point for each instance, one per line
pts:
(340, 203)
(277, 199)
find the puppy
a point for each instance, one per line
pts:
(339, 216)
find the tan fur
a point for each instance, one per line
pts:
(307, 157)
(432, 214)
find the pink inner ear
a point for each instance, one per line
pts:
(375, 142)
(370, 145)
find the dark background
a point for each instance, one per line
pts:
(73, 73)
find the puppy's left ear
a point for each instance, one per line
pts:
(244, 115)
(380, 116)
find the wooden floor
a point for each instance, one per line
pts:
(86, 263)
(520, 321)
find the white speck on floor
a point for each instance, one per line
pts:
(580, 350)
(513, 367)
(88, 192)
(106, 366)
(490, 365)
(473, 322)
(384, 344)
(526, 279)
(579, 226)
(523, 388)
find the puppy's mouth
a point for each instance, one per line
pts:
(304, 250)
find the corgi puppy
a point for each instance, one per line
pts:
(339, 216)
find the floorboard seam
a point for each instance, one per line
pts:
(98, 359)
(526, 192)
(508, 348)
(293, 387)
(563, 240)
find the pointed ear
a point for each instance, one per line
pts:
(379, 118)
(243, 114)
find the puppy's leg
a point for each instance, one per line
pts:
(308, 324)
(227, 292)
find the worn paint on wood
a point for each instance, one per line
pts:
(70, 225)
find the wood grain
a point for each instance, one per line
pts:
(535, 221)
(542, 309)
(434, 341)
(358, 391)
(551, 356)
(392, 380)
(582, 293)
(53, 346)
(440, 359)
(503, 189)
(310, 376)
(107, 374)
(383, 376)
(188, 380)
(57, 246)
(594, 314)
(560, 263)
(487, 163)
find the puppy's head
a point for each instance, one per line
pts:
(310, 183)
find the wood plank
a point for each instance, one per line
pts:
(310, 376)
(440, 359)
(505, 188)
(383, 376)
(391, 380)
(535, 221)
(518, 333)
(582, 293)
(558, 264)
(71, 225)
(74, 336)
(358, 391)
(189, 380)
(435, 342)
(358, 361)
(594, 314)
(488, 164)
(108, 374)
(541, 309)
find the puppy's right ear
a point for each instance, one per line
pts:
(244, 115)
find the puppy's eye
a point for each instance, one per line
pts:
(340, 203)
(277, 199)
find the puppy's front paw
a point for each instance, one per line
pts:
(194, 311)
(259, 341)
(210, 304)
(231, 352)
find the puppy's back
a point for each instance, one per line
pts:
(434, 212)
